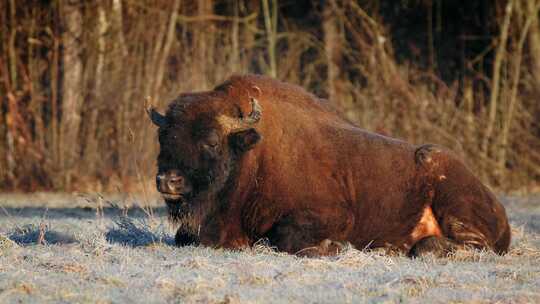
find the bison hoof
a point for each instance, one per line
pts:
(325, 248)
(424, 154)
(432, 245)
(184, 238)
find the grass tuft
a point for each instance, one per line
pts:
(138, 232)
(32, 234)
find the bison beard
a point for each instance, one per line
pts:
(257, 158)
(186, 223)
(186, 213)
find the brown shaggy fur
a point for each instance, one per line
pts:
(315, 180)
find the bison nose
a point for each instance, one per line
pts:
(171, 183)
(175, 184)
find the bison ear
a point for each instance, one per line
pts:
(243, 141)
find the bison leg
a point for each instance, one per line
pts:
(310, 233)
(468, 213)
(185, 238)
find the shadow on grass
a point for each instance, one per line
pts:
(33, 234)
(78, 212)
(137, 233)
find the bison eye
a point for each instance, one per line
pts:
(211, 141)
(210, 145)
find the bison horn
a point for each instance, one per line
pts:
(256, 112)
(157, 118)
(236, 124)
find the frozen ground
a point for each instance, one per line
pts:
(61, 248)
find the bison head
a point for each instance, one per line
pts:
(202, 137)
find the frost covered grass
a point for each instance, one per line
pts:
(59, 248)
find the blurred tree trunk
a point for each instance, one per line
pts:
(34, 81)
(333, 49)
(166, 48)
(12, 52)
(534, 42)
(527, 16)
(121, 74)
(235, 40)
(334, 42)
(249, 32)
(3, 140)
(496, 76)
(8, 60)
(202, 50)
(270, 12)
(118, 28)
(534, 53)
(72, 98)
(91, 143)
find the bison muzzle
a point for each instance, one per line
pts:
(256, 158)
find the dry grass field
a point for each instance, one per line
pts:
(89, 249)
(73, 78)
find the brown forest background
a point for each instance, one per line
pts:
(74, 74)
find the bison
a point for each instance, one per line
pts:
(256, 158)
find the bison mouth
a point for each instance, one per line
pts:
(176, 198)
(172, 196)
